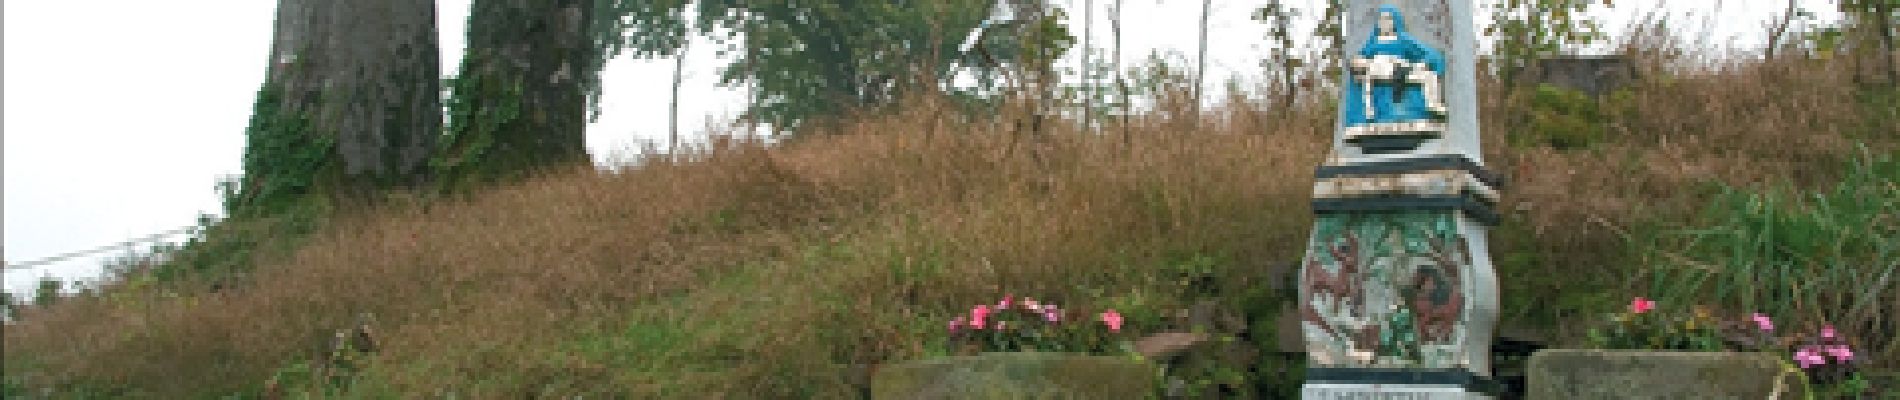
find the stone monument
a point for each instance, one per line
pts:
(1397, 295)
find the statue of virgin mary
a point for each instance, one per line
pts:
(1395, 87)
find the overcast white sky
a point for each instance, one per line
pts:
(121, 115)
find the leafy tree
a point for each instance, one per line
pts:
(1295, 67)
(523, 95)
(1872, 26)
(644, 28)
(10, 307)
(1526, 30)
(818, 60)
(648, 29)
(47, 292)
(351, 103)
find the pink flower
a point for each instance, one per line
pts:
(1052, 316)
(977, 315)
(1827, 331)
(1113, 320)
(1763, 322)
(1840, 352)
(1641, 305)
(956, 323)
(1030, 304)
(1004, 304)
(1816, 358)
(1806, 357)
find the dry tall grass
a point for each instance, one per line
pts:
(474, 291)
(745, 270)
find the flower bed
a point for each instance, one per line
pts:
(1817, 361)
(1023, 348)
(1025, 324)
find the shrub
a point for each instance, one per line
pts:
(1561, 119)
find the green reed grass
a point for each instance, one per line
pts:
(1828, 256)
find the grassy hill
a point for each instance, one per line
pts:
(744, 270)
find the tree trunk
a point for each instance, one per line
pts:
(351, 100)
(367, 72)
(1781, 29)
(1121, 84)
(673, 114)
(1885, 15)
(1200, 71)
(521, 101)
(1088, 64)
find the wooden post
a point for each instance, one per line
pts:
(1397, 293)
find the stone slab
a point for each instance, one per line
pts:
(1640, 375)
(1028, 375)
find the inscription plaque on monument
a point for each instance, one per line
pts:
(1375, 392)
(1397, 294)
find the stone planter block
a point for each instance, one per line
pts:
(1027, 375)
(1624, 374)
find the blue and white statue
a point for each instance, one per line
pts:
(1395, 93)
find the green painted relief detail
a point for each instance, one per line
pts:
(1400, 333)
(1385, 289)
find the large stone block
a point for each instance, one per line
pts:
(1028, 375)
(1595, 75)
(1637, 375)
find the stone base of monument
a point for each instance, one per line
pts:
(1628, 374)
(1384, 392)
(1392, 383)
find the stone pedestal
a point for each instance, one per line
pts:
(1321, 391)
(1391, 383)
(1026, 375)
(1397, 294)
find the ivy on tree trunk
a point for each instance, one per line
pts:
(521, 100)
(351, 103)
